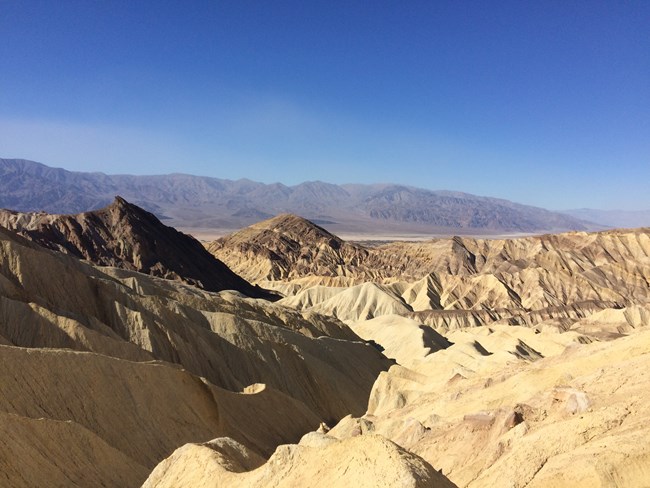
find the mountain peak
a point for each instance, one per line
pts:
(120, 202)
(126, 236)
(296, 225)
(286, 246)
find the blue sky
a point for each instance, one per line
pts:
(545, 102)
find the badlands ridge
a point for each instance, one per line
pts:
(451, 362)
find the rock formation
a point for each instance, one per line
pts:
(319, 460)
(128, 367)
(125, 236)
(508, 407)
(287, 247)
(513, 362)
(520, 361)
(459, 282)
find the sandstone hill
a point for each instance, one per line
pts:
(106, 371)
(489, 406)
(125, 236)
(200, 202)
(317, 461)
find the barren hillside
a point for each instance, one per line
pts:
(503, 362)
(449, 283)
(122, 368)
(125, 236)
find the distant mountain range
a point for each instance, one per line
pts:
(187, 202)
(613, 218)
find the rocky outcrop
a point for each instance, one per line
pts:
(287, 247)
(516, 363)
(568, 412)
(318, 461)
(95, 420)
(125, 236)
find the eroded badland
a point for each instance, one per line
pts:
(281, 355)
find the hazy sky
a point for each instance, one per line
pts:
(542, 102)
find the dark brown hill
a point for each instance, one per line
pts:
(287, 247)
(125, 236)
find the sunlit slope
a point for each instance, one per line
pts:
(140, 365)
(508, 407)
(319, 461)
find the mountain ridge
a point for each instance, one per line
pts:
(189, 201)
(505, 352)
(106, 371)
(125, 236)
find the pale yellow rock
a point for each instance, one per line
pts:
(541, 378)
(52, 300)
(352, 304)
(578, 416)
(453, 283)
(402, 339)
(366, 461)
(142, 410)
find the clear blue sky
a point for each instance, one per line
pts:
(544, 102)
